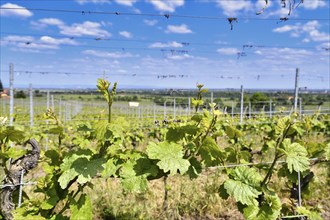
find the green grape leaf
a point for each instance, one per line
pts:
(144, 166)
(51, 201)
(309, 214)
(66, 177)
(79, 165)
(197, 118)
(87, 169)
(56, 130)
(170, 156)
(296, 157)
(223, 192)
(130, 181)
(232, 132)
(13, 134)
(73, 156)
(14, 153)
(59, 217)
(243, 185)
(100, 129)
(109, 169)
(282, 124)
(54, 157)
(177, 133)
(327, 152)
(210, 152)
(195, 168)
(82, 209)
(22, 213)
(270, 209)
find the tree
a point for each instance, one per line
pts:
(258, 100)
(20, 95)
(1, 86)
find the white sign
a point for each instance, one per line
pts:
(133, 104)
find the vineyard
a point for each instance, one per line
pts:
(201, 163)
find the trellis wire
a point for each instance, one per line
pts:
(254, 164)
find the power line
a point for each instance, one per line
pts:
(165, 52)
(183, 43)
(167, 16)
(166, 76)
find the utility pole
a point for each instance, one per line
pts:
(242, 104)
(31, 105)
(270, 108)
(296, 89)
(174, 109)
(11, 94)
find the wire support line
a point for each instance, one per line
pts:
(167, 16)
(18, 184)
(201, 1)
(184, 44)
(261, 163)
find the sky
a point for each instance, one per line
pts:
(166, 44)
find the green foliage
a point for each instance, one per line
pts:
(104, 87)
(1, 87)
(199, 99)
(296, 156)
(269, 208)
(169, 156)
(86, 151)
(82, 209)
(308, 213)
(20, 95)
(244, 185)
(210, 152)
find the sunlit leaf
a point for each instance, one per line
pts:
(170, 156)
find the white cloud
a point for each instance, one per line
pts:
(92, 1)
(164, 45)
(30, 44)
(310, 30)
(150, 22)
(166, 5)
(126, 34)
(59, 41)
(18, 38)
(126, 2)
(280, 54)
(286, 28)
(179, 57)
(104, 54)
(314, 4)
(231, 8)
(121, 2)
(15, 10)
(51, 21)
(87, 28)
(178, 29)
(228, 51)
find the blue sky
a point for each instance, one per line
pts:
(166, 44)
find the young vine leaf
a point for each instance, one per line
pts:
(170, 156)
(82, 209)
(269, 208)
(296, 156)
(210, 152)
(244, 185)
